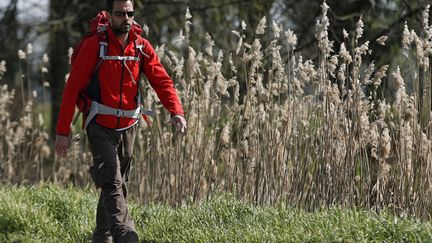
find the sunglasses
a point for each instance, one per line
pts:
(122, 14)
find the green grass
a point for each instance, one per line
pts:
(48, 213)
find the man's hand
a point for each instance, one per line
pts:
(62, 144)
(179, 122)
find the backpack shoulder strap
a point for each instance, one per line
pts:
(139, 46)
(139, 53)
(103, 48)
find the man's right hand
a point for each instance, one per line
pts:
(62, 144)
(179, 122)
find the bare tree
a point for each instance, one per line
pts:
(9, 41)
(68, 22)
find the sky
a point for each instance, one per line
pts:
(29, 10)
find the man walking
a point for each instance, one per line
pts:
(105, 77)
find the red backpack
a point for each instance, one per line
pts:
(97, 26)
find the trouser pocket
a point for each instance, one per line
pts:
(102, 173)
(103, 144)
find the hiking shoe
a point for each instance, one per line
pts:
(101, 237)
(131, 237)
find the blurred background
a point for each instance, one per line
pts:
(52, 27)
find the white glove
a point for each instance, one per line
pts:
(179, 122)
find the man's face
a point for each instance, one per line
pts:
(122, 16)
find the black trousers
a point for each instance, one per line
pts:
(112, 158)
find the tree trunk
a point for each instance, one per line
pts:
(69, 22)
(9, 42)
(58, 49)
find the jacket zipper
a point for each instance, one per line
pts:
(121, 88)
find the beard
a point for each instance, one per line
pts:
(123, 28)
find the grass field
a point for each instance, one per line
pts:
(49, 213)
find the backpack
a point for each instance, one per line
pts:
(98, 26)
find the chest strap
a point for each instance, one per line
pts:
(120, 58)
(103, 46)
(100, 109)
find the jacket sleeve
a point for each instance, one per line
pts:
(78, 79)
(161, 81)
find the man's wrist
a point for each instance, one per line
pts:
(177, 114)
(63, 135)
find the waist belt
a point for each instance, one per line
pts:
(100, 109)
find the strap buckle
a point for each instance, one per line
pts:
(120, 113)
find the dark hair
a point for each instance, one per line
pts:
(110, 3)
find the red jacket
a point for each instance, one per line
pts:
(117, 89)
